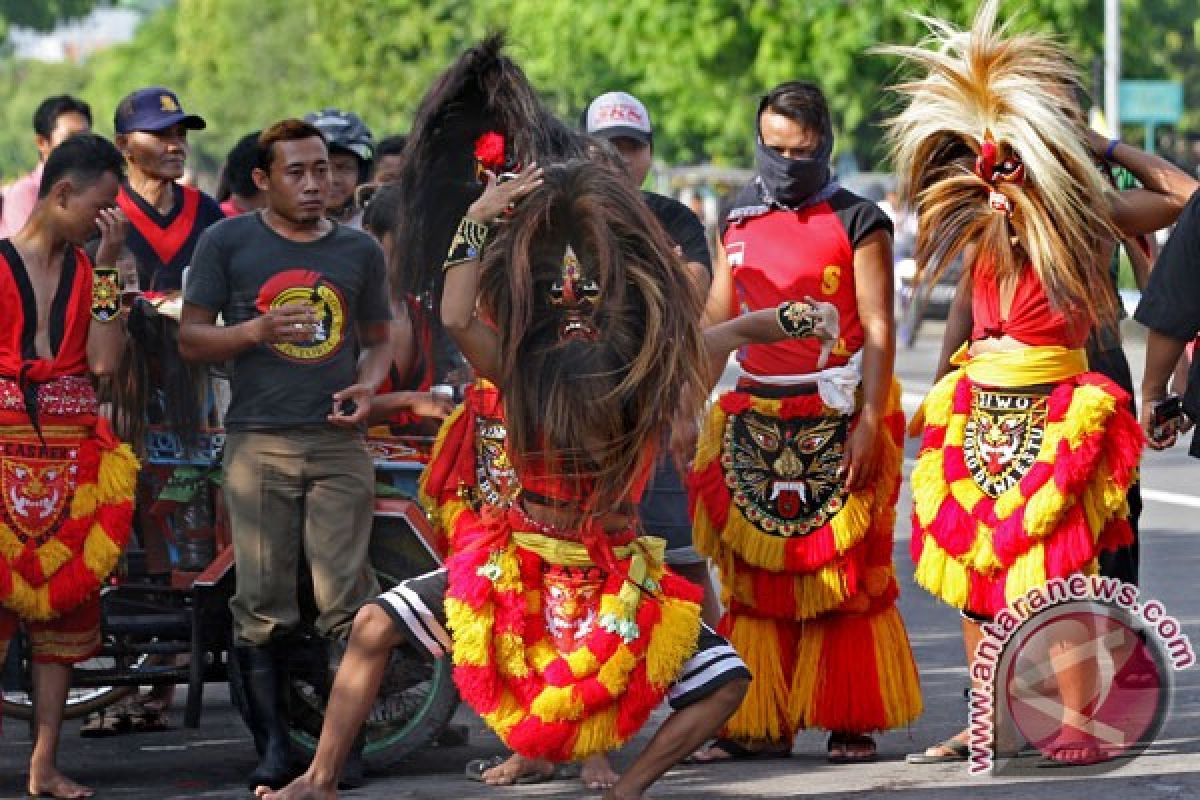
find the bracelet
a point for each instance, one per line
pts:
(797, 320)
(1112, 148)
(106, 294)
(467, 243)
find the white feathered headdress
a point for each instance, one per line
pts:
(990, 151)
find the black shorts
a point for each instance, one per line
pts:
(418, 609)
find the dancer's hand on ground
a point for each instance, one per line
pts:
(860, 464)
(500, 198)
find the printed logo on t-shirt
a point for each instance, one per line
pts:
(735, 253)
(310, 288)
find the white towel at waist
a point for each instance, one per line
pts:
(836, 385)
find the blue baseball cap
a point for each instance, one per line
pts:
(153, 109)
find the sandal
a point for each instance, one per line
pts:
(148, 720)
(953, 750)
(111, 721)
(476, 767)
(736, 751)
(843, 741)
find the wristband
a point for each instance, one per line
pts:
(797, 320)
(106, 294)
(1112, 148)
(467, 243)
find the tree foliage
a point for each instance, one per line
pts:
(699, 65)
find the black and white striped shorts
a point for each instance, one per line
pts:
(417, 608)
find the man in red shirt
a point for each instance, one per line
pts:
(796, 475)
(166, 218)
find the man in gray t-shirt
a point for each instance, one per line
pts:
(306, 325)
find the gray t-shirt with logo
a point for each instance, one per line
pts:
(242, 268)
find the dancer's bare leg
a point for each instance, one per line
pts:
(355, 687)
(50, 685)
(679, 735)
(1076, 678)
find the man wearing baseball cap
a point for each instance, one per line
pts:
(622, 120)
(351, 153)
(166, 218)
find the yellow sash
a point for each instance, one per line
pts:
(643, 552)
(1028, 366)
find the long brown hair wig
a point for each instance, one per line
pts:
(593, 409)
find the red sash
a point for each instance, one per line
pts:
(165, 242)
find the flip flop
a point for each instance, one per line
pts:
(1097, 755)
(955, 751)
(846, 740)
(737, 752)
(476, 767)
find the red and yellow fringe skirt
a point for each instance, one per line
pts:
(561, 660)
(1015, 486)
(65, 516)
(469, 467)
(806, 568)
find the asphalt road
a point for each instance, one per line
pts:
(211, 761)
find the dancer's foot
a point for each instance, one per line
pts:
(50, 782)
(956, 748)
(1074, 748)
(515, 769)
(303, 788)
(850, 748)
(597, 773)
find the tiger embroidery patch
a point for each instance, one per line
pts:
(1003, 438)
(782, 473)
(37, 489)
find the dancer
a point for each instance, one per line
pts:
(565, 628)
(67, 506)
(1026, 455)
(795, 480)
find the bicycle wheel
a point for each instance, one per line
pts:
(415, 703)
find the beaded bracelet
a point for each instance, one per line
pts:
(467, 243)
(797, 320)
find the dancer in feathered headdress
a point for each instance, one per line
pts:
(560, 288)
(1026, 455)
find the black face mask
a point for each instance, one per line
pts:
(791, 181)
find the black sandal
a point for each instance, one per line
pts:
(737, 751)
(846, 740)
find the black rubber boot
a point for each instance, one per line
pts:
(264, 682)
(354, 770)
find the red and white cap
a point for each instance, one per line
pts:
(614, 115)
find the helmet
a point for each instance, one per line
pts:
(344, 130)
